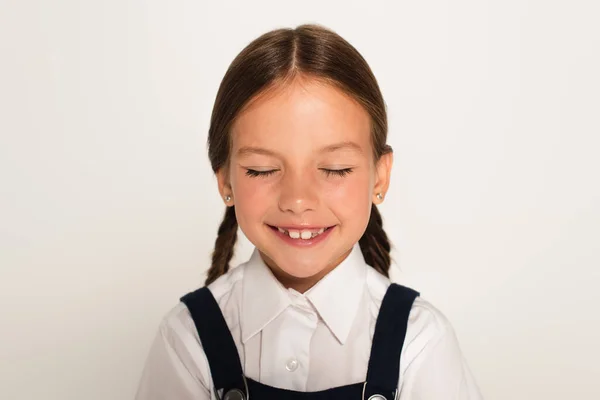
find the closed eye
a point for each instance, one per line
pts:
(255, 173)
(337, 172)
(329, 172)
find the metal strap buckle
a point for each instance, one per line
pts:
(378, 396)
(234, 394)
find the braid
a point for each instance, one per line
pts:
(224, 246)
(375, 244)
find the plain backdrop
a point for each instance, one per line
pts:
(109, 209)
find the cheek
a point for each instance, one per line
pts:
(351, 197)
(251, 197)
(245, 188)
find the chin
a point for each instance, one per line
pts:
(300, 272)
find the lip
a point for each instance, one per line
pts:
(302, 243)
(300, 227)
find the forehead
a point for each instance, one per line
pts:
(301, 114)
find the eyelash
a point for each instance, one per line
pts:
(254, 173)
(329, 172)
(338, 172)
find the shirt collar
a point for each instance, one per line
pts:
(263, 297)
(336, 296)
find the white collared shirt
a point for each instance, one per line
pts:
(306, 342)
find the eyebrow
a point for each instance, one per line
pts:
(246, 150)
(342, 146)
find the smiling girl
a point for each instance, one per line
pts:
(297, 141)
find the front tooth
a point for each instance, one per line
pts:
(294, 234)
(306, 235)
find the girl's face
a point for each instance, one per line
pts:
(302, 162)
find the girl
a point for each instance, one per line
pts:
(297, 140)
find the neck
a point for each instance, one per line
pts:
(300, 285)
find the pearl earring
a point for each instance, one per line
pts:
(379, 196)
(228, 198)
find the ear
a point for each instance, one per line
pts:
(225, 186)
(383, 171)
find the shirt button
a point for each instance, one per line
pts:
(291, 365)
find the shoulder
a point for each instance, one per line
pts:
(177, 330)
(178, 320)
(229, 285)
(224, 289)
(431, 361)
(426, 325)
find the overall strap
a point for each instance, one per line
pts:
(390, 331)
(217, 342)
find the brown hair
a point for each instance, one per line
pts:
(271, 59)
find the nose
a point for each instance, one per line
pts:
(298, 193)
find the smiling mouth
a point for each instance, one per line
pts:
(302, 234)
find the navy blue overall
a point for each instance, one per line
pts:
(231, 384)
